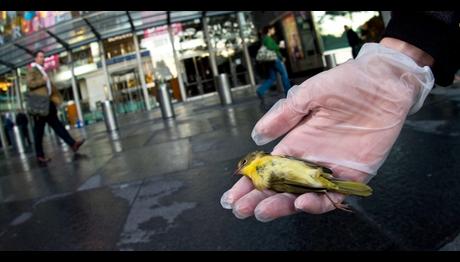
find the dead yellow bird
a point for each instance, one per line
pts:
(297, 176)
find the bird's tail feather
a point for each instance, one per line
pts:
(352, 188)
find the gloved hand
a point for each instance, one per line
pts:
(346, 119)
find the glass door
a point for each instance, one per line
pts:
(194, 56)
(127, 91)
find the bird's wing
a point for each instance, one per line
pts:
(313, 165)
(282, 182)
(294, 189)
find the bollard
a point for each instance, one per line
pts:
(223, 88)
(18, 139)
(330, 61)
(109, 115)
(164, 98)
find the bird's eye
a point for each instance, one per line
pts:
(244, 162)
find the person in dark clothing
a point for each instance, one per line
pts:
(9, 124)
(353, 40)
(39, 84)
(22, 122)
(348, 118)
(435, 32)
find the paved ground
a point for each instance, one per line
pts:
(156, 185)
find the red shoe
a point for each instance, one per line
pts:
(43, 160)
(77, 145)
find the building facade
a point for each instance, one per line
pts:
(185, 50)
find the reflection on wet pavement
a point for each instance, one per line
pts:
(156, 184)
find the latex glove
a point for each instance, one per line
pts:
(346, 119)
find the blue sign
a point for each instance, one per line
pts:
(123, 58)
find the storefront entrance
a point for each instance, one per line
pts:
(198, 77)
(127, 91)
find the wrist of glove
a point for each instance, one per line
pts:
(349, 116)
(406, 66)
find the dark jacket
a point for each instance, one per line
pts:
(353, 38)
(436, 33)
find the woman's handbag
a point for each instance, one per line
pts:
(264, 54)
(38, 104)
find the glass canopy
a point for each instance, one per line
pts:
(86, 29)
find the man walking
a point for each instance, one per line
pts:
(39, 84)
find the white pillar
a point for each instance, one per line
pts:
(17, 90)
(141, 72)
(75, 88)
(247, 57)
(9, 98)
(183, 93)
(212, 55)
(3, 136)
(106, 72)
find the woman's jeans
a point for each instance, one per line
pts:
(281, 69)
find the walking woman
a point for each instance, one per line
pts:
(276, 66)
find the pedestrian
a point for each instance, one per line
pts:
(39, 83)
(272, 66)
(348, 118)
(22, 122)
(9, 125)
(353, 40)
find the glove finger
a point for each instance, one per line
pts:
(317, 203)
(282, 117)
(245, 206)
(276, 206)
(239, 189)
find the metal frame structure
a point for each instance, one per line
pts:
(89, 28)
(96, 27)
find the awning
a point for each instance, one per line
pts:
(86, 29)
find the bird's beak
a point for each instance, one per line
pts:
(237, 172)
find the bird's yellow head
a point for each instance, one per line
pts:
(247, 160)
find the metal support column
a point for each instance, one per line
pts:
(106, 72)
(3, 136)
(9, 98)
(18, 140)
(141, 72)
(212, 55)
(75, 89)
(17, 90)
(247, 57)
(183, 93)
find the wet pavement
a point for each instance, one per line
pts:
(156, 185)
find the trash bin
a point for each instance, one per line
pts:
(164, 98)
(223, 88)
(330, 61)
(109, 115)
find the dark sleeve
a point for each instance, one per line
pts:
(436, 33)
